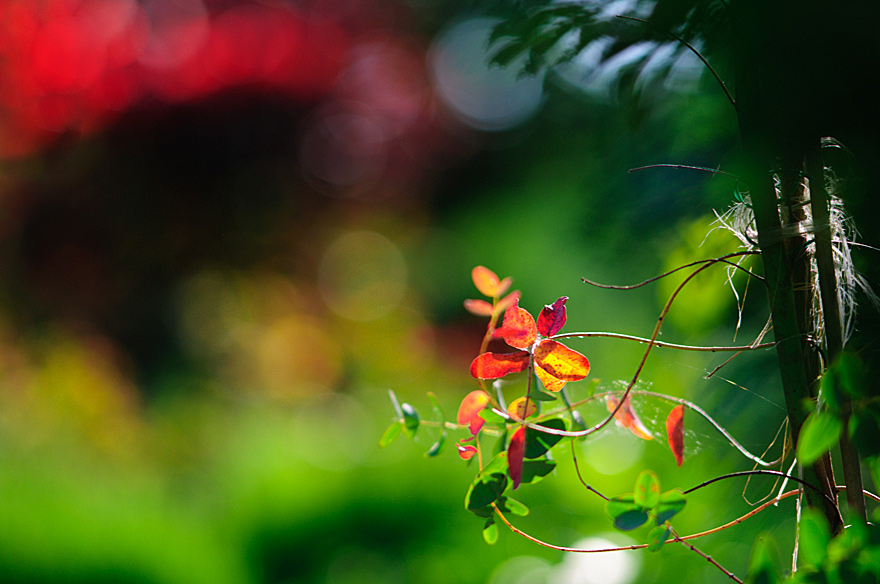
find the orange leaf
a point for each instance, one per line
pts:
(519, 328)
(550, 383)
(675, 433)
(470, 408)
(518, 409)
(552, 317)
(466, 452)
(561, 362)
(495, 365)
(488, 283)
(626, 417)
(478, 307)
(515, 452)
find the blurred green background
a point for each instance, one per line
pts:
(227, 229)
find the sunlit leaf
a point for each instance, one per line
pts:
(814, 537)
(647, 490)
(515, 451)
(552, 318)
(515, 507)
(523, 407)
(669, 504)
(626, 417)
(466, 452)
(820, 432)
(411, 419)
(519, 329)
(549, 382)
(496, 365)
(560, 361)
(621, 504)
(469, 410)
(478, 307)
(389, 435)
(490, 531)
(538, 443)
(675, 433)
(658, 536)
(487, 282)
(508, 301)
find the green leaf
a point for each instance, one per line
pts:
(669, 503)
(658, 536)
(647, 490)
(541, 396)
(438, 446)
(626, 514)
(389, 435)
(813, 538)
(491, 417)
(761, 568)
(515, 507)
(534, 470)
(490, 531)
(820, 432)
(630, 520)
(485, 490)
(538, 443)
(411, 419)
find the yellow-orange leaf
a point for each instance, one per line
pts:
(675, 433)
(550, 383)
(478, 307)
(495, 365)
(470, 408)
(561, 362)
(519, 328)
(626, 416)
(518, 409)
(488, 283)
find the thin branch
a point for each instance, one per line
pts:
(694, 51)
(662, 344)
(580, 477)
(685, 167)
(743, 473)
(722, 259)
(705, 556)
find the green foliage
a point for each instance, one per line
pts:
(761, 563)
(820, 432)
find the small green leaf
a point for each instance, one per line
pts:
(411, 419)
(534, 470)
(485, 490)
(630, 520)
(621, 504)
(438, 446)
(820, 432)
(541, 396)
(389, 435)
(669, 503)
(538, 443)
(491, 417)
(761, 568)
(658, 536)
(515, 507)
(490, 531)
(647, 490)
(814, 537)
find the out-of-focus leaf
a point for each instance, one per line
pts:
(488, 283)
(621, 504)
(470, 408)
(669, 504)
(515, 507)
(657, 537)
(626, 417)
(538, 443)
(478, 307)
(519, 329)
(540, 396)
(497, 365)
(490, 531)
(390, 434)
(814, 537)
(820, 432)
(534, 470)
(675, 433)
(629, 520)
(515, 451)
(485, 490)
(438, 446)
(864, 429)
(560, 361)
(647, 490)
(522, 407)
(506, 54)
(466, 452)
(761, 568)
(411, 419)
(552, 317)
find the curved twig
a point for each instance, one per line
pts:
(662, 344)
(685, 167)
(722, 259)
(743, 473)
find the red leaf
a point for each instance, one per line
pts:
(515, 452)
(519, 328)
(626, 416)
(495, 365)
(561, 362)
(675, 433)
(470, 408)
(466, 452)
(552, 317)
